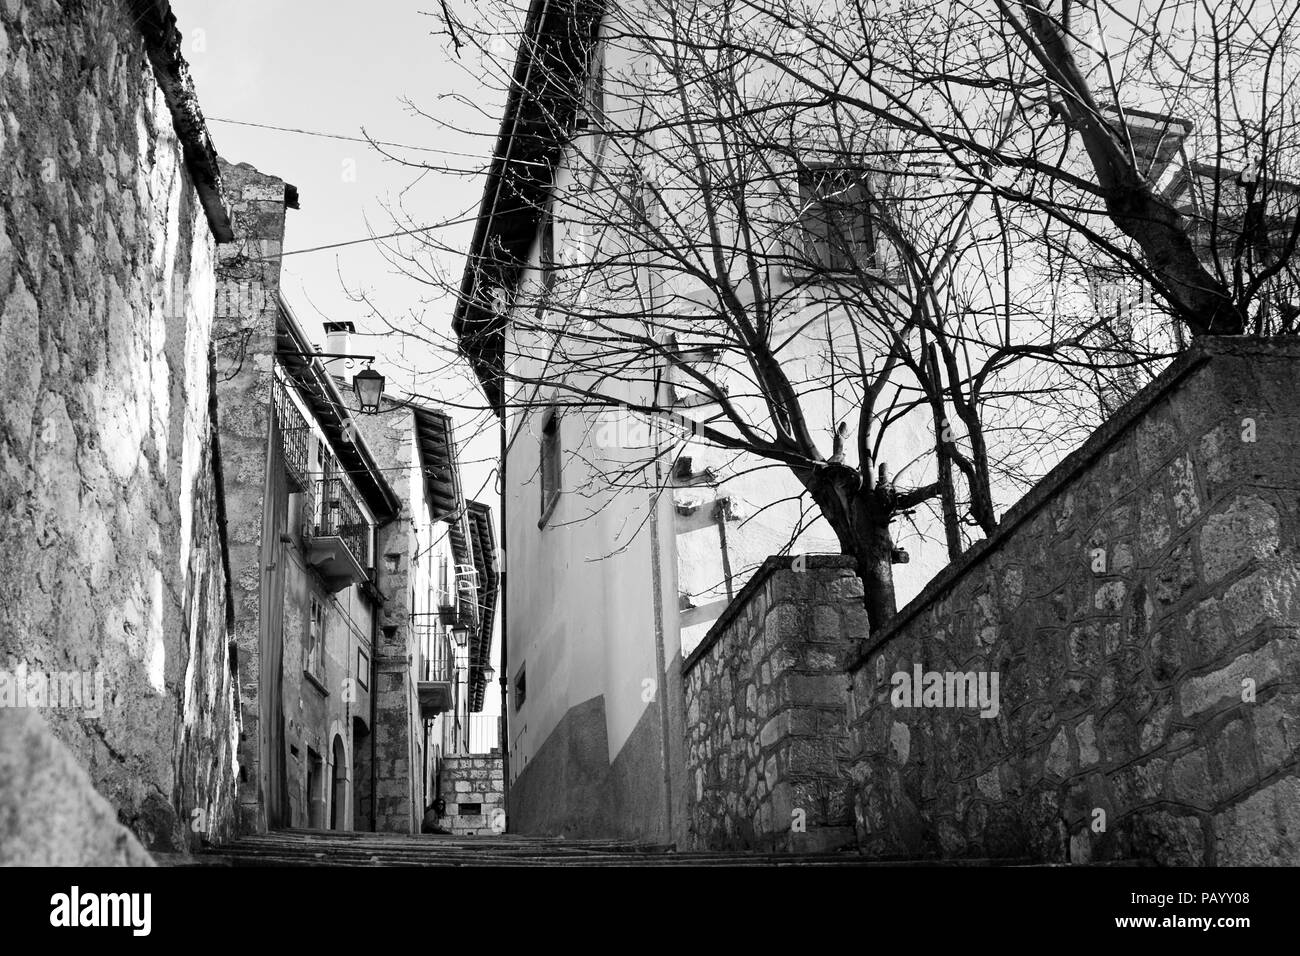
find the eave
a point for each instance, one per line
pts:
(484, 546)
(549, 74)
(162, 42)
(331, 413)
(439, 462)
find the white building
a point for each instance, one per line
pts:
(627, 528)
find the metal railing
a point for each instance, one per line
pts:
(482, 733)
(341, 516)
(295, 436)
(438, 655)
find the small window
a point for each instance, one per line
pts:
(446, 590)
(591, 110)
(469, 809)
(315, 663)
(363, 669)
(550, 464)
(521, 688)
(835, 220)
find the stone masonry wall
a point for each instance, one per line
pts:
(767, 745)
(472, 779)
(1141, 607)
(110, 510)
(248, 284)
(398, 730)
(50, 812)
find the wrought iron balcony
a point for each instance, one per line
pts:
(339, 546)
(437, 673)
(295, 437)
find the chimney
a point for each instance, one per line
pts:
(338, 337)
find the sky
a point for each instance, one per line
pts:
(341, 68)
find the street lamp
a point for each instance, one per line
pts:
(369, 387)
(460, 634)
(488, 673)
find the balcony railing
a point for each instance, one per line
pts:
(479, 734)
(483, 733)
(339, 543)
(437, 675)
(295, 436)
(439, 663)
(340, 516)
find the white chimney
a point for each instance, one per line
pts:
(338, 337)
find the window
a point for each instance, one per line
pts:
(363, 669)
(591, 110)
(315, 663)
(446, 597)
(550, 463)
(835, 219)
(469, 809)
(548, 246)
(521, 688)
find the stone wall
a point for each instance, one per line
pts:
(397, 745)
(110, 511)
(1141, 608)
(767, 745)
(50, 812)
(248, 284)
(473, 779)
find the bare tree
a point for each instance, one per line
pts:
(761, 222)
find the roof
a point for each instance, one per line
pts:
(1156, 138)
(484, 546)
(162, 42)
(550, 68)
(439, 461)
(440, 464)
(323, 397)
(1211, 171)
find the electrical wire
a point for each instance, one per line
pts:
(354, 242)
(351, 139)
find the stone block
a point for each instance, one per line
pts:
(1189, 781)
(1248, 530)
(50, 813)
(1199, 694)
(1261, 830)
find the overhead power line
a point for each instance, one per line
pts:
(350, 139)
(354, 242)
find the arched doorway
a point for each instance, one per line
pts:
(362, 805)
(339, 796)
(315, 791)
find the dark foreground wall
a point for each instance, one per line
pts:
(1141, 609)
(571, 788)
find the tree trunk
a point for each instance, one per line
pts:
(981, 489)
(859, 512)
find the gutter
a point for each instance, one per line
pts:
(503, 600)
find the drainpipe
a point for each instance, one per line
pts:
(663, 489)
(503, 599)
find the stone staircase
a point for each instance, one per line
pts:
(333, 848)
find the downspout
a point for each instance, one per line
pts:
(374, 716)
(503, 597)
(662, 490)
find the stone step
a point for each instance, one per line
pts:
(330, 848)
